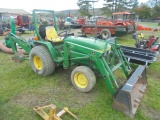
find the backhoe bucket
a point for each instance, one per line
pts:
(129, 96)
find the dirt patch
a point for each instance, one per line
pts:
(63, 94)
(72, 97)
(29, 100)
(58, 95)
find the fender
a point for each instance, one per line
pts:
(50, 48)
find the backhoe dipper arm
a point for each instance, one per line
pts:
(17, 40)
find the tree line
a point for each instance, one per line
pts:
(147, 10)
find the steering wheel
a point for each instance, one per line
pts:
(65, 33)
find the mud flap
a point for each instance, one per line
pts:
(129, 96)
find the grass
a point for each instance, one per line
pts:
(1, 37)
(21, 89)
(149, 24)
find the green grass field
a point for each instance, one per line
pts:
(1, 37)
(21, 90)
(149, 24)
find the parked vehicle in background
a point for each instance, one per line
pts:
(120, 24)
(79, 22)
(150, 43)
(4, 23)
(23, 23)
(125, 18)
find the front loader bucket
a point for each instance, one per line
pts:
(129, 96)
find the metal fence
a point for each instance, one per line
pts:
(148, 20)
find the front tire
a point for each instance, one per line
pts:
(41, 61)
(83, 78)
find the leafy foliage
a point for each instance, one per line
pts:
(106, 11)
(156, 11)
(153, 3)
(84, 6)
(118, 5)
(143, 11)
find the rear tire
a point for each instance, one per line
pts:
(159, 48)
(83, 78)
(41, 61)
(105, 34)
(135, 27)
(131, 28)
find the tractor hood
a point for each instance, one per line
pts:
(97, 44)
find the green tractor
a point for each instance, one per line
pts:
(88, 55)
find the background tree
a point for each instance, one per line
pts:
(153, 3)
(119, 5)
(135, 4)
(85, 6)
(155, 7)
(148, 10)
(144, 11)
(156, 12)
(106, 10)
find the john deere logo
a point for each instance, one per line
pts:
(72, 46)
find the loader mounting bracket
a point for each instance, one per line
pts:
(52, 112)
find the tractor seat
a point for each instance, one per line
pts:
(51, 35)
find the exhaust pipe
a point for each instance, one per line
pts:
(129, 96)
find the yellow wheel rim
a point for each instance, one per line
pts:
(80, 80)
(38, 62)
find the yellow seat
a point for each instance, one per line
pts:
(51, 34)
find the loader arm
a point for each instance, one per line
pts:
(95, 56)
(107, 60)
(99, 58)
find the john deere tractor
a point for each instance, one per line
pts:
(87, 55)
